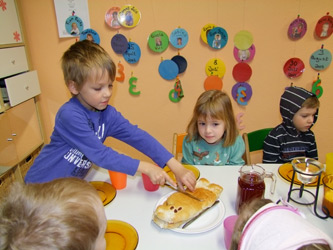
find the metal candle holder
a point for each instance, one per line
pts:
(307, 170)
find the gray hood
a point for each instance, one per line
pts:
(291, 101)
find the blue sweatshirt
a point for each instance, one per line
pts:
(77, 143)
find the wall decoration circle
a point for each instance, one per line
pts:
(297, 29)
(245, 55)
(293, 68)
(158, 41)
(215, 67)
(321, 59)
(74, 25)
(179, 38)
(243, 40)
(324, 27)
(181, 63)
(111, 18)
(119, 43)
(217, 38)
(242, 93)
(129, 16)
(213, 82)
(204, 31)
(168, 69)
(91, 35)
(133, 53)
(242, 72)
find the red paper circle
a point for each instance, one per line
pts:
(324, 27)
(294, 67)
(213, 82)
(242, 72)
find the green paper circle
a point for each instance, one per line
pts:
(158, 41)
(243, 40)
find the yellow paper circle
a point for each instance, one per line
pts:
(215, 67)
(243, 40)
(204, 31)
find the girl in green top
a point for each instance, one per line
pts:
(213, 137)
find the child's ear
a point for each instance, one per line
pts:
(72, 86)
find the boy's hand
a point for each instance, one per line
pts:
(184, 176)
(156, 174)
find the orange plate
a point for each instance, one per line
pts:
(190, 167)
(120, 235)
(286, 172)
(105, 190)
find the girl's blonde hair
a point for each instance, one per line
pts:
(82, 58)
(61, 214)
(217, 105)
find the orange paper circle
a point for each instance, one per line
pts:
(213, 82)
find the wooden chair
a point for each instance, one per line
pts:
(177, 145)
(254, 141)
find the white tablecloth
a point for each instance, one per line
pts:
(135, 206)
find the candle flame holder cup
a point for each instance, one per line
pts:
(307, 170)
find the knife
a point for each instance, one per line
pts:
(196, 217)
(183, 192)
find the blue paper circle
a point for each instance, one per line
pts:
(217, 38)
(168, 69)
(179, 38)
(90, 34)
(321, 59)
(133, 53)
(119, 43)
(70, 25)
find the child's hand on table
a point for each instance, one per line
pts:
(183, 176)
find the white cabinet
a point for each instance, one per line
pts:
(19, 133)
(20, 130)
(9, 23)
(13, 61)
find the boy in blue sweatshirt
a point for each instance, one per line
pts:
(86, 120)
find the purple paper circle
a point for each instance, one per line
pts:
(237, 93)
(119, 43)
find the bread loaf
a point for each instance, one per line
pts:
(180, 208)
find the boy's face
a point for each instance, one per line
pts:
(303, 118)
(95, 92)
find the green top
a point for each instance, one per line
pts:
(199, 152)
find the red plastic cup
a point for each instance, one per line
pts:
(229, 224)
(118, 180)
(149, 186)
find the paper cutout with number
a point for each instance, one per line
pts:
(176, 94)
(317, 88)
(121, 73)
(133, 86)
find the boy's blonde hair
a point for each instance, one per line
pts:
(311, 102)
(217, 105)
(82, 58)
(61, 214)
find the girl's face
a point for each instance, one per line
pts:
(211, 129)
(95, 92)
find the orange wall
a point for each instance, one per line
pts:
(268, 22)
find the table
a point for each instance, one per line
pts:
(135, 206)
